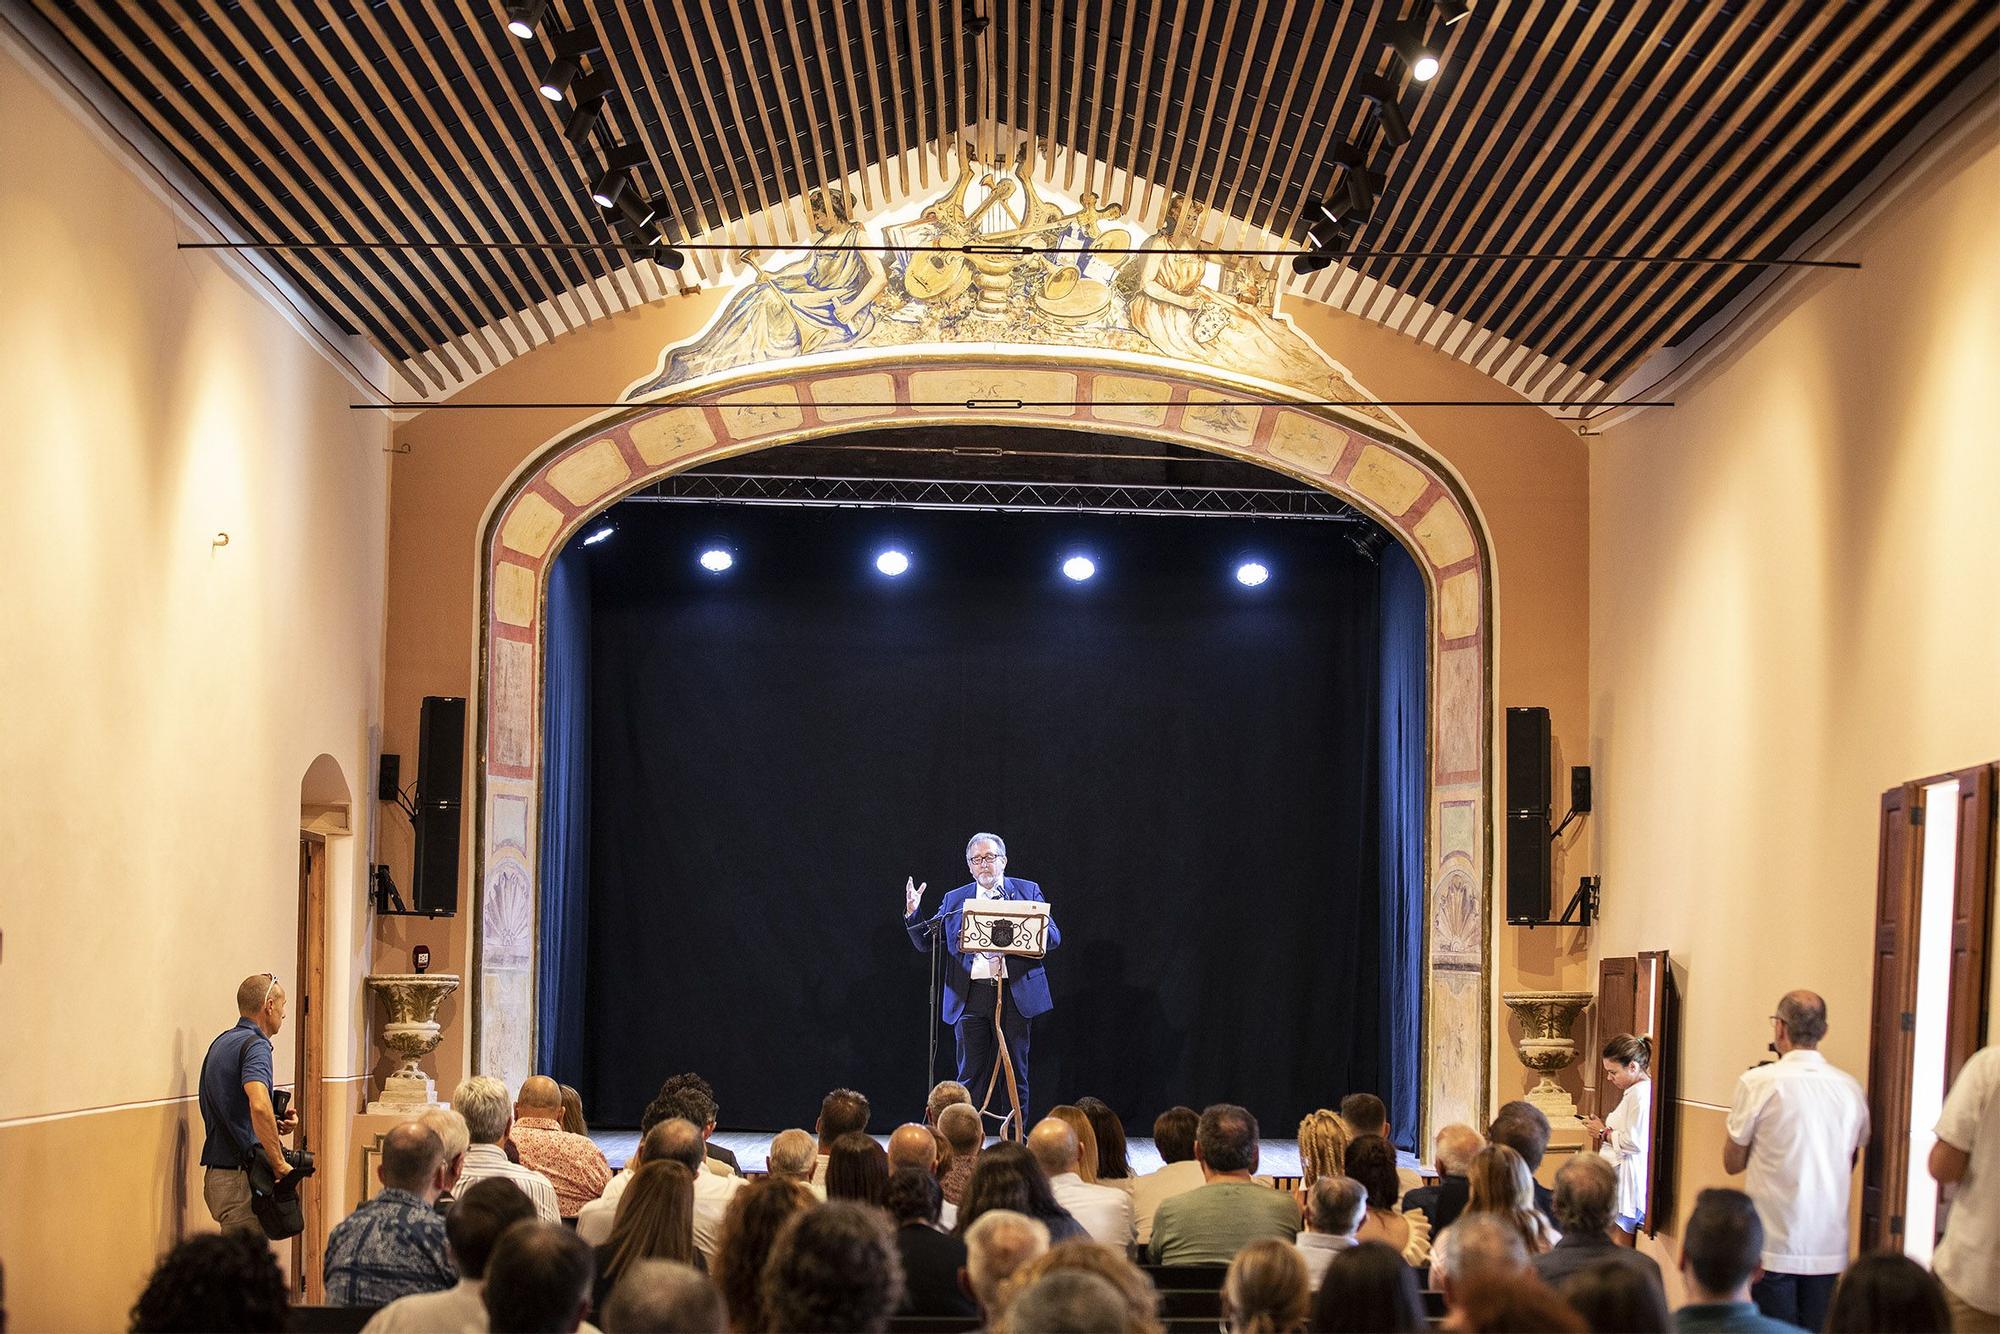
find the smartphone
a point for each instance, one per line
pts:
(281, 1102)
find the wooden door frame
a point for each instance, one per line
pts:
(309, 1075)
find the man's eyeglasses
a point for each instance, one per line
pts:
(986, 859)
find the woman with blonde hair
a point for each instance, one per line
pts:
(1266, 1290)
(1323, 1141)
(1086, 1139)
(1498, 1182)
(655, 1221)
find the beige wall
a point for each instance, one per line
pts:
(1792, 608)
(163, 698)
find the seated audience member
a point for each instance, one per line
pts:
(1369, 1288)
(756, 1215)
(572, 1117)
(1477, 1249)
(1966, 1158)
(965, 1134)
(1086, 1138)
(1323, 1139)
(691, 1098)
(1514, 1304)
(477, 1218)
(912, 1145)
(450, 1129)
(841, 1112)
(997, 1244)
(1522, 1127)
(482, 1100)
(1586, 1205)
(792, 1155)
(574, 1164)
(1104, 1211)
(1501, 1186)
(1266, 1290)
(1334, 1209)
(1616, 1298)
(538, 1280)
(1008, 1177)
(943, 1094)
(655, 1221)
(1452, 1154)
(931, 1259)
(1140, 1298)
(678, 1140)
(1722, 1248)
(857, 1170)
(215, 1281)
(594, 1220)
(1889, 1293)
(1366, 1114)
(1371, 1160)
(663, 1297)
(1173, 1136)
(1114, 1162)
(394, 1244)
(1208, 1225)
(834, 1268)
(1067, 1301)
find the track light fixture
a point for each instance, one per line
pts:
(975, 22)
(1451, 11)
(524, 17)
(610, 188)
(557, 77)
(638, 213)
(1380, 95)
(667, 257)
(592, 101)
(1406, 39)
(1328, 241)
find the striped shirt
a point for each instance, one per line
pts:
(490, 1160)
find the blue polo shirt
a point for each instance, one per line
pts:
(240, 1056)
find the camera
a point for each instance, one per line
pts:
(302, 1165)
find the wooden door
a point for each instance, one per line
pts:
(1971, 910)
(309, 1083)
(1885, 1170)
(1636, 994)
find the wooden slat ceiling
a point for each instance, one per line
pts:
(1654, 126)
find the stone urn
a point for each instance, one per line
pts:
(412, 1033)
(1546, 1045)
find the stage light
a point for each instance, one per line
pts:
(667, 257)
(1451, 11)
(715, 560)
(1381, 96)
(1310, 263)
(1407, 39)
(598, 536)
(1079, 568)
(1250, 574)
(892, 563)
(524, 17)
(610, 188)
(556, 81)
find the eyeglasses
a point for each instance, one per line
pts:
(986, 859)
(268, 990)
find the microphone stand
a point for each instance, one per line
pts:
(934, 927)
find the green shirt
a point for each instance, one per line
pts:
(1208, 1225)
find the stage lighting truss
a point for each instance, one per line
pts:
(1020, 497)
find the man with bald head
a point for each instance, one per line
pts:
(1796, 1125)
(573, 1163)
(1104, 1211)
(1454, 1149)
(915, 1146)
(237, 1113)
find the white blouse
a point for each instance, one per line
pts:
(1628, 1142)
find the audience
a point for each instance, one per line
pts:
(572, 1117)
(1114, 1166)
(857, 1169)
(841, 1112)
(655, 1221)
(1335, 1207)
(963, 1131)
(1323, 1138)
(1266, 1290)
(482, 1100)
(1966, 1160)
(1371, 1160)
(663, 1297)
(394, 1244)
(691, 1098)
(1369, 1288)
(1479, 1248)
(224, 1281)
(1173, 1137)
(1889, 1293)
(450, 1129)
(1501, 1186)
(834, 1268)
(944, 1093)
(1086, 1138)
(1068, 1301)
(793, 1154)
(1452, 1153)
(1586, 1204)
(537, 1280)
(1796, 1125)
(1209, 1224)
(1104, 1211)
(1140, 1299)
(1522, 1127)
(1366, 1114)
(477, 1219)
(594, 1220)
(756, 1215)
(1720, 1249)
(1514, 1304)
(1008, 1177)
(931, 1259)
(573, 1163)
(997, 1244)
(912, 1145)
(679, 1140)
(1614, 1298)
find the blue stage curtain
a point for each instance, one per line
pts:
(562, 962)
(1404, 652)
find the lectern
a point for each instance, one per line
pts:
(1018, 927)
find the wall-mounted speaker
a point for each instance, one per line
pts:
(1528, 758)
(1529, 859)
(440, 802)
(1530, 869)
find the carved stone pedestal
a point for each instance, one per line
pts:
(412, 1033)
(1547, 1047)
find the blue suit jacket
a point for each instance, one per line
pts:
(1027, 981)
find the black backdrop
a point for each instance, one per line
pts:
(1187, 766)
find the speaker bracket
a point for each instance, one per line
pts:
(1581, 910)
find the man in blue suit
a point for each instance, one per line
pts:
(970, 980)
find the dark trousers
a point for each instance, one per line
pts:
(1796, 1299)
(976, 1051)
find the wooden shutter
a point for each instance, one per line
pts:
(1892, 1025)
(1971, 910)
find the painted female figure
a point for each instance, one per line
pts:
(1168, 301)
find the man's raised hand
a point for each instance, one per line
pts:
(913, 894)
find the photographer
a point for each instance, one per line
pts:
(237, 1111)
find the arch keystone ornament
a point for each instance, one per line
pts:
(1190, 353)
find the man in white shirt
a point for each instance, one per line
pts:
(1173, 1136)
(1104, 1211)
(1334, 1211)
(488, 1110)
(1796, 1126)
(1967, 1156)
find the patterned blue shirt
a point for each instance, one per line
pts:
(390, 1247)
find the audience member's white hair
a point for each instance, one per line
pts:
(487, 1107)
(1337, 1204)
(960, 1126)
(663, 1295)
(1475, 1245)
(1457, 1146)
(999, 1242)
(792, 1153)
(448, 1124)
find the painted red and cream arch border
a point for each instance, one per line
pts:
(1391, 476)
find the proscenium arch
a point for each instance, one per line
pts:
(1394, 478)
